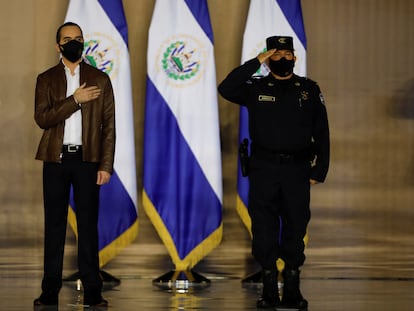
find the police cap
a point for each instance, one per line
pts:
(279, 43)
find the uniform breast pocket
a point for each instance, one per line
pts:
(305, 112)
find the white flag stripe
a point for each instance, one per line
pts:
(189, 104)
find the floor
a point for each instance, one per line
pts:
(357, 259)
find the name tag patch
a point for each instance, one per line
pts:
(266, 98)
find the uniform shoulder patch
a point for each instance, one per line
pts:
(321, 98)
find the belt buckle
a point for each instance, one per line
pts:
(72, 148)
(285, 156)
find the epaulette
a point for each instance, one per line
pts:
(308, 80)
(254, 78)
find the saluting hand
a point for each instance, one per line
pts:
(85, 94)
(265, 55)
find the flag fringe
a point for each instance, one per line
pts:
(198, 253)
(114, 248)
(244, 214)
(72, 222)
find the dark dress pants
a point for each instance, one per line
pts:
(279, 192)
(57, 181)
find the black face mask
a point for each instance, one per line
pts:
(72, 50)
(282, 67)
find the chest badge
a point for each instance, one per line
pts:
(304, 95)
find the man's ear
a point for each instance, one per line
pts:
(57, 48)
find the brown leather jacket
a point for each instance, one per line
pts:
(52, 108)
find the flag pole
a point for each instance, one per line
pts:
(182, 183)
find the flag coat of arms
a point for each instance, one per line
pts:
(182, 165)
(267, 18)
(106, 47)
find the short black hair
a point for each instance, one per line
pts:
(64, 25)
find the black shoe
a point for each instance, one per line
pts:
(301, 305)
(45, 308)
(96, 304)
(292, 298)
(270, 295)
(264, 303)
(46, 300)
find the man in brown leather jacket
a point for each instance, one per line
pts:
(74, 105)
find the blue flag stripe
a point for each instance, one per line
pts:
(243, 182)
(173, 179)
(293, 13)
(118, 208)
(115, 12)
(200, 11)
(116, 211)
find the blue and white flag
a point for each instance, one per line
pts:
(106, 47)
(182, 164)
(267, 18)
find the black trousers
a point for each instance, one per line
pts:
(279, 191)
(57, 181)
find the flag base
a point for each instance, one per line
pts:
(181, 281)
(109, 281)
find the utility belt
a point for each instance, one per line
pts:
(282, 156)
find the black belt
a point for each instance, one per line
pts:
(282, 156)
(72, 149)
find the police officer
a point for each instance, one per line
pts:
(289, 133)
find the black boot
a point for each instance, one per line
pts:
(270, 294)
(47, 299)
(292, 298)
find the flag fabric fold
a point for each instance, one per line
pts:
(267, 18)
(105, 32)
(182, 193)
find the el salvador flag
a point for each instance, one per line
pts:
(182, 166)
(267, 18)
(106, 47)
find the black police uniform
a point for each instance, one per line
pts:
(288, 126)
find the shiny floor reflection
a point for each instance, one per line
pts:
(359, 257)
(223, 294)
